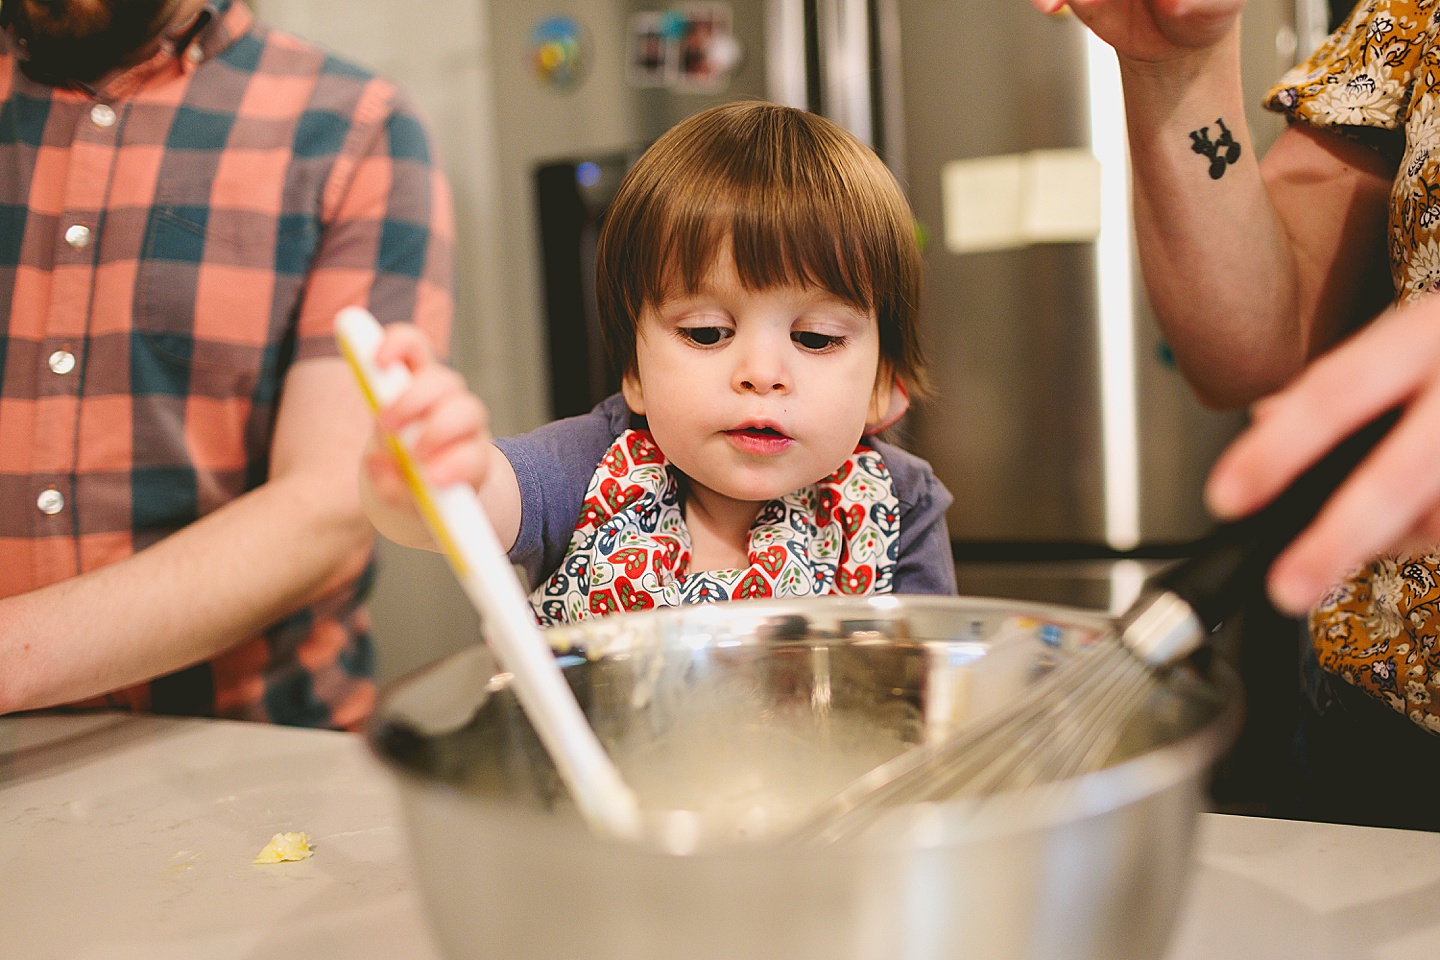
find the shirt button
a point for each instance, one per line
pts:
(78, 236)
(102, 115)
(50, 501)
(62, 362)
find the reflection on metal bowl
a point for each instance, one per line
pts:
(732, 721)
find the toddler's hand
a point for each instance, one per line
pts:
(446, 425)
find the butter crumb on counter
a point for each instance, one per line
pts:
(286, 846)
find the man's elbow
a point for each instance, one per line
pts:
(352, 539)
(334, 535)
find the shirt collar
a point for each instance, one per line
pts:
(214, 27)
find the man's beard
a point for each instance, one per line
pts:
(73, 41)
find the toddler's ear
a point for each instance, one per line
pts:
(887, 406)
(634, 395)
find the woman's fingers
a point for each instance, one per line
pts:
(1390, 501)
(1381, 508)
(1154, 30)
(1343, 390)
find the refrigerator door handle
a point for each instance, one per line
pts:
(840, 58)
(787, 43)
(845, 56)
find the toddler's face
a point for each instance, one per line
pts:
(754, 394)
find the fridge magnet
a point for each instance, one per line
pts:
(706, 50)
(559, 50)
(650, 36)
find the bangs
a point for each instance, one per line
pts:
(775, 237)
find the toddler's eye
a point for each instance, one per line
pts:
(705, 336)
(816, 341)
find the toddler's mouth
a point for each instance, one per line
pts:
(758, 432)
(761, 438)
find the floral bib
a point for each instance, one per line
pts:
(631, 548)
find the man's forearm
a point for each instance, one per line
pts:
(184, 600)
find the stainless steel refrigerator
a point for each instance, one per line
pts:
(1060, 423)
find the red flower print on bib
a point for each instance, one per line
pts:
(641, 447)
(772, 559)
(635, 559)
(855, 582)
(616, 497)
(851, 518)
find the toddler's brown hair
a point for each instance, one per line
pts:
(799, 199)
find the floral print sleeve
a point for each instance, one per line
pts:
(1378, 631)
(1377, 79)
(1362, 75)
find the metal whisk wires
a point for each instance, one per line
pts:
(1069, 723)
(1065, 725)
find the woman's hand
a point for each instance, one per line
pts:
(446, 425)
(1153, 31)
(1391, 503)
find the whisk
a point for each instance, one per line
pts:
(1070, 722)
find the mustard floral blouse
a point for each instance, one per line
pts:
(1378, 78)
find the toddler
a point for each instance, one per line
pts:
(758, 279)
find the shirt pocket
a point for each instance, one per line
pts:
(213, 316)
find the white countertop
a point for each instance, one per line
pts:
(131, 838)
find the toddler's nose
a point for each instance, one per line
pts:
(761, 368)
(759, 386)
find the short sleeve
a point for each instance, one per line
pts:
(927, 561)
(554, 466)
(1362, 75)
(388, 227)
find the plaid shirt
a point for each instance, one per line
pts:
(169, 247)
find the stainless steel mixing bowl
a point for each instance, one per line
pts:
(731, 720)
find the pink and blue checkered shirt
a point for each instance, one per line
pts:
(169, 246)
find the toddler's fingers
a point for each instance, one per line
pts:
(431, 385)
(458, 463)
(386, 480)
(404, 343)
(454, 418)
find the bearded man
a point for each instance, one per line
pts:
(186, 200)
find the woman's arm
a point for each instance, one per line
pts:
(1256, 272)
(1253, 268)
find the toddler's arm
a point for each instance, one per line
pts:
(451, 439)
